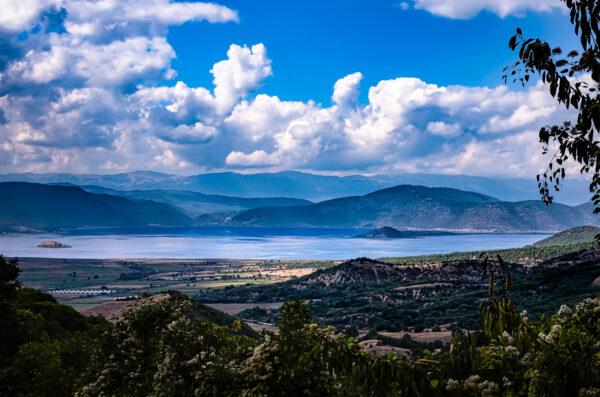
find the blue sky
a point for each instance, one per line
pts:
(335, 87)
(314, 43)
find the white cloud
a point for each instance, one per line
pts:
(102, 19)
(465, 9)
(442, 129)
(242, 72)
(172, 13)
(169, 159)
(17, 16)
(257, 158)
(402, 5)
(265, 116)
(522, 116)
(391, 131)
(118, 63)
(196, 133)
(345, 91)
(102, 96)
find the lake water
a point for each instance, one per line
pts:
(247, 243)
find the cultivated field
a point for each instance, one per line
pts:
(85, 282)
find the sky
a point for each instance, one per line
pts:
(329, 86)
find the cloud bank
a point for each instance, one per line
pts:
(87, 86)
(465, 9)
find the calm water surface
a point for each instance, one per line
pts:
(246, 243)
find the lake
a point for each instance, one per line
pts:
(246, 243)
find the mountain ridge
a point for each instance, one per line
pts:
(37, 206)
(306, 185)
(195, 203)
(423, 208)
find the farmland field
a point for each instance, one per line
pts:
(71, 281)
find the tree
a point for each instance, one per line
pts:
(573, 81)
(9, 274)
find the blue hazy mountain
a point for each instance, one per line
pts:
(195, 203)
(419, 207)
(26, 206)
(49, 207)
(308, 186)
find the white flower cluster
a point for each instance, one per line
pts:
(474, 382)
(564, 310)
(588, 304)
(452, 385)
(524, 315)
(588, 393)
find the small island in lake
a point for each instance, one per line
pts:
(386, 233)
(53, 244)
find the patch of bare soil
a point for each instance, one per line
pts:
(258, 327)
(444, 336)
(112, 311)
(377, 347)
(236, 308)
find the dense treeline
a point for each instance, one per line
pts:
(158, 350)
(529, 255)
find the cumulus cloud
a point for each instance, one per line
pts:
(72, 80)
(242, 72)
(345, 90)
(443, 129)
(256, 158)
(105, 20)
(18, 16)
(93, 91)
(265, 116)
(395, 131)
(117, 64)
(465, 9)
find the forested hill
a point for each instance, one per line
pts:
(576, 235)
(409, 206)
(44, 207)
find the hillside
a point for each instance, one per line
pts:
(371, 294)
(113, 310)
(576, 235)
(28, 206)
(419, 207)
(42, 207)
(308, 186)
(195, 203)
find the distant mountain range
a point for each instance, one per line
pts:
(308, 186)
(195, 204)
(420, 207)
(31, 206)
